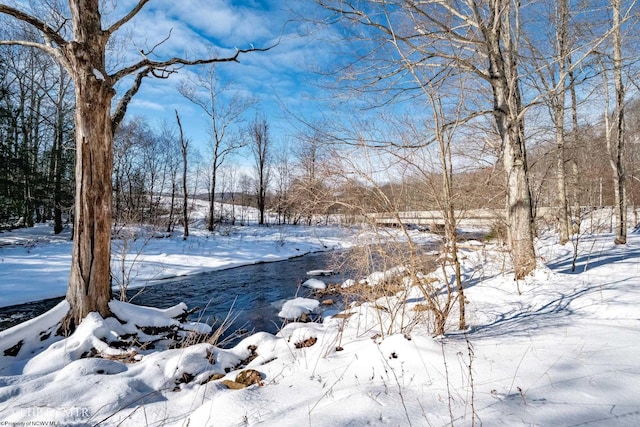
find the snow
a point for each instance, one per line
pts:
(558, 348)
(348, 283)
(314, 284)
(34, 267)
(320, 272)
(98, 74)
(294, 308)
(378, 277)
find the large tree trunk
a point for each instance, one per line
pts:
(519, 216)
(89, 283)
(507, 113)
(84, 58)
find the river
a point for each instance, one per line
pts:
(252, 294)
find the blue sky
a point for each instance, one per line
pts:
(279, 79)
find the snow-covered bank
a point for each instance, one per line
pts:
(563, 352)
(34, 264)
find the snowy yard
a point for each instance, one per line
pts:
(563, 352)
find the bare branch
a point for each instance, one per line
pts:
(48, 32)
(150, 51)
(133, 12)
(48, 49)
(164, 67)
(121, 108)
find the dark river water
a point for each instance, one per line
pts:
(251, 294)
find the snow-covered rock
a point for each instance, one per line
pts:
(314, 284)
(295, 308)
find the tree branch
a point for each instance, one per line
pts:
(45, 48)
(164, 65)
(35, 22)
(121, 108)
(133, 12)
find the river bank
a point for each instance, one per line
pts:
(35, 264)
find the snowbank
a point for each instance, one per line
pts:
(36, 264)
(562, 351)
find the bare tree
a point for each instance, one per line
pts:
(171, 162)
(445, 125)
(82, 50)
(224, 112)
(245, 183)
(37, 115)
(58, 165)
(261, 149)
(229, 189)
(283, 178)
(478, 38)
(31, 88)
(311, 193)
(614, 121)
(136, 164)
(444, 135)
(552, 80)
(617, 152)
(501, 49)
(184, 146)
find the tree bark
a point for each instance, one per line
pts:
(450, 221)
(90, 282)
(561, 176)
(507, 109)
(558, 104)
(184, 145)
(618, 163)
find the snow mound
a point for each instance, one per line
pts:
(378, 277)
(31, 337)
(293, 309)
(348, 283)
(314, 284)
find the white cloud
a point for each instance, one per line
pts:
(279, 78)
(145, 104)
(216, 21)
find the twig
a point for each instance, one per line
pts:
(446, 373)
(404, 406)
(471, 354)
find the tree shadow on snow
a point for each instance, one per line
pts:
(589, 260)
(526, 316)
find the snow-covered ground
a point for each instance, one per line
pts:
(35, 265)
(562, 351)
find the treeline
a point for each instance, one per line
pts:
(306, 179)
(36, 139)
(570, 138)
